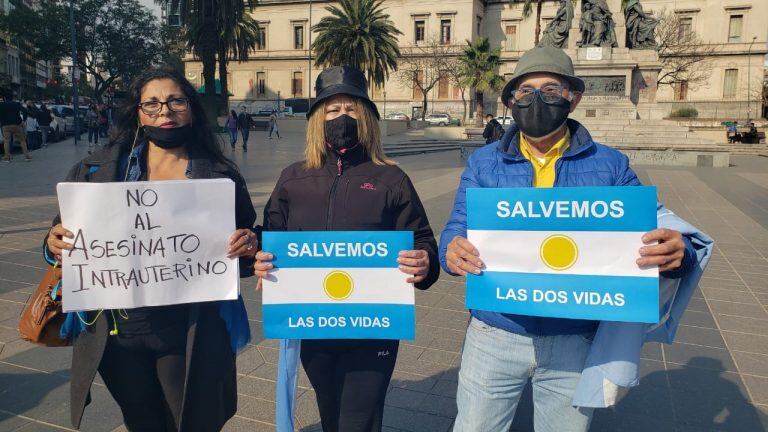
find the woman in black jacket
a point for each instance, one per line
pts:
(168, 367)
(346, 183)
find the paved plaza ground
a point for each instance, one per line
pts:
(714, 378)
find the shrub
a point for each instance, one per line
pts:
(685, 112)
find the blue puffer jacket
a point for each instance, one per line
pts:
(501, 164)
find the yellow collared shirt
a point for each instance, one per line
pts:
(544, 167)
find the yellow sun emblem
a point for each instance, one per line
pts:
(559, 252)
(338, 285)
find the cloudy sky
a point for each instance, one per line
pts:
(151, 4)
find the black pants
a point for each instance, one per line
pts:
(145, 375)
(245, 133)
(350, 378)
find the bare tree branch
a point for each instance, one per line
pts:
(422, 66)
(683, 55)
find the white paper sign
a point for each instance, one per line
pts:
(148, 243)
(594, 53)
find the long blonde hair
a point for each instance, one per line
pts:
(368, 134)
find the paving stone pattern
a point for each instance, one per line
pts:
(714, 378)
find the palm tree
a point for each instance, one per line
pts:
(204, 21)
(238, 35)
(480, 63)
(358, 34)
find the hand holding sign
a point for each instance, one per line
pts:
(667, 254)
(55, 241)
(463, 257)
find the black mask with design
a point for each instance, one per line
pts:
(169, 138)
(341, 133)
(539, 119)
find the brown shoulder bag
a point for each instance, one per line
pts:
(42, 317)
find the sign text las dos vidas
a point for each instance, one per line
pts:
(563, 252)
(148, 243)
(338, 285)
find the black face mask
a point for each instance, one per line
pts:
(540, 119)
(169, 138)
(341, 133)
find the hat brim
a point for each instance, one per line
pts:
(342, 89)
(576, 83)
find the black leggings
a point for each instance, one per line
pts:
(145, 374)
(350, 378)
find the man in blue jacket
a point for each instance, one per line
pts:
(503, 351)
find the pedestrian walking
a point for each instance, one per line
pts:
(103, 121)
(33, 134)
(92, 120)
(343, 147)
(169, 368)
(273, 125)
(493, 130)
(44, 120)
(11, 119)
(573, 365)
(231, 126)
(244, 124)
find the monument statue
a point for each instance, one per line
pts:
(640, 26)
(556, 33)
(596, 25)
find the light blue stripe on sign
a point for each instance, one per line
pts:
(339, 321)
(619, 208)
(326, 249)
(605, 298)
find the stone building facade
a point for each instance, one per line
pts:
(281, 68)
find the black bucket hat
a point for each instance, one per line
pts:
(543, 59)
(341, 80)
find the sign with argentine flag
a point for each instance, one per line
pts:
(338, 285)
(563, 252)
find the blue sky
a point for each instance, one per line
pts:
(151, 4)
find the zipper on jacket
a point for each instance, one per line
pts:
(332, 194)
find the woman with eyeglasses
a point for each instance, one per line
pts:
(170, 368)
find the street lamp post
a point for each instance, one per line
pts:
(75, 71)
(309, 54)
(749, 78)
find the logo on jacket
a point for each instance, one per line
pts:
(368, 186)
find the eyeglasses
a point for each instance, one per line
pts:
(154, 107)
(549, 94)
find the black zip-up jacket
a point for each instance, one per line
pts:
(351, 193)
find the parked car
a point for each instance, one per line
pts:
(396, 116)
(65, 119)
(439, 119)
(508, 120)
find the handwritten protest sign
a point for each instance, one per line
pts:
(338, 285)
(563, 252)
(148, 243)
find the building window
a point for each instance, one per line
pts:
(681, 90)
(734, 28)
(298, 37)
(262, 45)
(297, 84)
(442, 87)
(445, 31)
(729, 83)
(418, 31)
(510, 32)
(261, 84)
(684, 27)
(418, 78)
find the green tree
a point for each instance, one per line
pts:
(117, 39)
(360, 34)
(236, 39)
(206, 23)
(480, 63)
